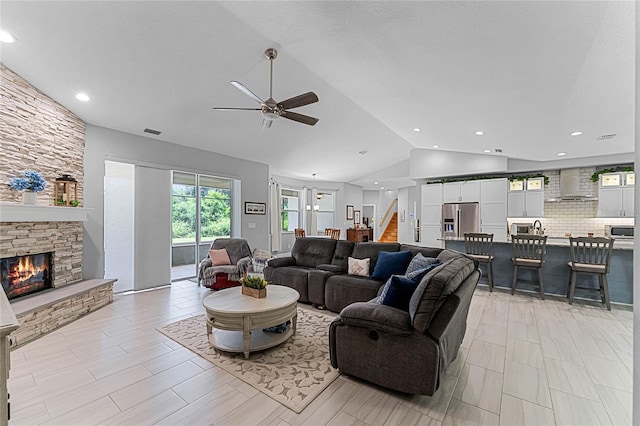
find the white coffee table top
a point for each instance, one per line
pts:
(231, 300)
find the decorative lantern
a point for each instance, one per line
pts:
(65, 191)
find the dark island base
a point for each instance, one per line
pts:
(556, 273)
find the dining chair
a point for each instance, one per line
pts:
(299, 233)
(528, 252)
(478, 246)
(591, 255)
(328, 231)
(335, 234)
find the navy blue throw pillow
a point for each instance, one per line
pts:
(391, 263)
(399, 292)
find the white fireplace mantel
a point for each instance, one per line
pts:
(13, 212)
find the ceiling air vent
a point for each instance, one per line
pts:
(606, 137)
(498, 150)
(153, 132)
(363, 152)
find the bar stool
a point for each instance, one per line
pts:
(528, 252)
(478, 247)
(591, 255)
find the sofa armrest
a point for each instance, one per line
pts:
(336, 269)
(282, 261)
(379, 317)
(205, 263)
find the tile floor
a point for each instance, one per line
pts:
(523, 361)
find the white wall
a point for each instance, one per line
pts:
(406, 203)
(106, 144)
(429, 163)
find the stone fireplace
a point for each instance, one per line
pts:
(26, 274)
(28, 232)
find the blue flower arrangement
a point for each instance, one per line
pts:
(32, 181)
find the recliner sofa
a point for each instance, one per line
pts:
(408, 351)
(317, 269)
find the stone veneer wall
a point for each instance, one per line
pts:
(63, 238)
(48, 318)
(36, 133)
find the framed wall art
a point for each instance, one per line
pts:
(349, 212)
(356, 216)
(255, 208)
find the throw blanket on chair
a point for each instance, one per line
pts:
(239, 254)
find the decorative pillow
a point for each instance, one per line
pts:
(359, 266)
(418, 274)
(420, 262)
(399, 292)
(391, 263)
(261, 254)
(415, 276)
(219, 257)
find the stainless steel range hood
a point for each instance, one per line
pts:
(570, 187)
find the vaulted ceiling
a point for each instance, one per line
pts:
(527, 74)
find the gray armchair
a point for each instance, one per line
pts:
(223, 276)
(407, 351)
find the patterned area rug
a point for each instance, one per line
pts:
(293, 373)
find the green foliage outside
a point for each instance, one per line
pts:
(215, 213)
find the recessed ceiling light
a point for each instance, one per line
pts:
(5, 37)
(83, 97)
(578, 133)
(560, 154)
(416, 129)
(479, 133)
(487, 150)
(376, 182)
(382, 187)
(436, 146)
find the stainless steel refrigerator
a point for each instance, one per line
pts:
(459, 218)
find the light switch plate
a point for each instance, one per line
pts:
(252, 225)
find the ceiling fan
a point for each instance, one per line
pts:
(271, 109)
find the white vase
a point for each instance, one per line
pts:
(29, 198)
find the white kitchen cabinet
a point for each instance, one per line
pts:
(493, 208)
(527, 202)
(616, 195)
(616, 201)
(431, 215)
(461, 192)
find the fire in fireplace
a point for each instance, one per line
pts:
(28, 274)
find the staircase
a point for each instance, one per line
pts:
(390, 234)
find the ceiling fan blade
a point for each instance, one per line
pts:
(246, 91)
(300, 118)
(236, 109)
(298, 101)
(266, 123)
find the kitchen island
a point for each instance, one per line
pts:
(556, 271)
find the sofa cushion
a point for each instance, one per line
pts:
(415, 276)
(419, 262)
(311, 252)
(344, 249)
(399, 292)
(425, 251)
(435, 287)
(380, 317)
(371, 250)
(336, 269)
(219, 257)
(359, 267)
(391, 263)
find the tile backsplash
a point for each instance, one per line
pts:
(575, 217)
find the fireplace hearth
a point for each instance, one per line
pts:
(27, 274)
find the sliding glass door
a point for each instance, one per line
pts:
(201, 212)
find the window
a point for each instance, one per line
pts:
(215, 208)
(324, 206)
(290, 209)
(214, 219)
(183, 201)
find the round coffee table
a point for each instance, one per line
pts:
(235, 321)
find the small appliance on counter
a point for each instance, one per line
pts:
(619, 231)
(522, 228)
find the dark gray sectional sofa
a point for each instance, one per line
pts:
(317, 269)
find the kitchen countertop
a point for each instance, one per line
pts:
(620, 244)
